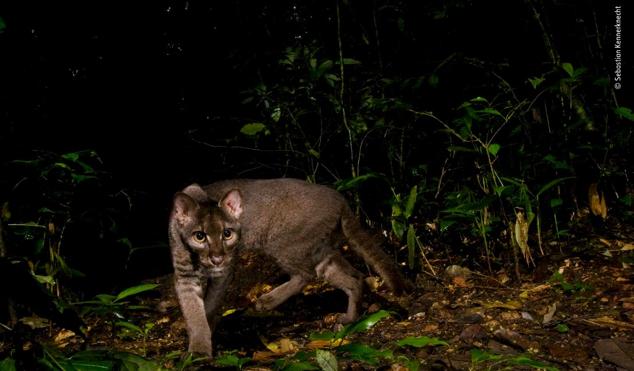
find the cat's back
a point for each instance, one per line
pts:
(285, 198)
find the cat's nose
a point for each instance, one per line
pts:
(217, 260)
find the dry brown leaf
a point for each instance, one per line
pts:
(520, 235)
(257, 290)
(319, 344)
(609, 322)
(281, 346)
(263, 356)
(597, 201)
(460, 281)
(62, 336)
(511, 304)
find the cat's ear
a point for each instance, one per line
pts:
(184, 206)
(196, 192)
(231, 203)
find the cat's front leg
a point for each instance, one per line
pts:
(189, 292)
(281, 293)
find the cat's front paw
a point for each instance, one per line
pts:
(264, 303)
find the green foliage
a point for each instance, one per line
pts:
(114, 307)
(574, 288)
(326, 360)
(7, 364)
(230, 359)
(361, 325)
(97, 360)
(481, 357)
(421, 341)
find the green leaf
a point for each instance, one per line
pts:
(253, 128)
(478, 356)
(411, 246)
(536, 81)
(624, 112)
(493, 148)
(364, 353)
(3, 27)
(350, 61)
(411, 202)
(136, 290)
(421, 341)
(231, 360)
(555, 202)
(433, 80)
(568, 68)
(275, 115)
(130, 326)
(364, 323)
(526, 361)
(398, 228)
(551, 184)
(7, 364)
(48, 280)
(350, 183)
(562, 328)
(326, 335)
(326, 360)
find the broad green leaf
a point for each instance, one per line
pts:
(555, 202)
(536, 81)
(433, 80)
(490, 111)
(135, 290)
(479, 100)
(624, 112)
(562, 328)
(478, 355)
(421, 341)
(326, 335)
(551, 184)
(3, 26)
(130, 326)
(398, 228)
(231, 360)
(326, 360)
(253, 128)
(493, 148)
(568, 68)
(105, 298)
(364, 353)
(275, 115)
(350, 183)
(526, 361)
(7, 364)
(48, 280)
(411, 202)
(350, 61)
(411, 246)
(364, 323)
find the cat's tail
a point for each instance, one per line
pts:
(368, 247)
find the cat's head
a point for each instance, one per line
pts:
(211, 230)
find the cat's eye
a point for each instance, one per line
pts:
(200, 236)
(227, 233)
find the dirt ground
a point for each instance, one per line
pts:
(573, 310)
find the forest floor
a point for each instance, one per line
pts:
(571, 311)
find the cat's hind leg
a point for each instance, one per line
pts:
(338, 272)
(279, 294)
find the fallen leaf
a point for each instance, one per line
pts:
(319, 344)
(61, 336)
(549, 315)
(607, 321)
(616, 352)
(257, 291)
(511, 304)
